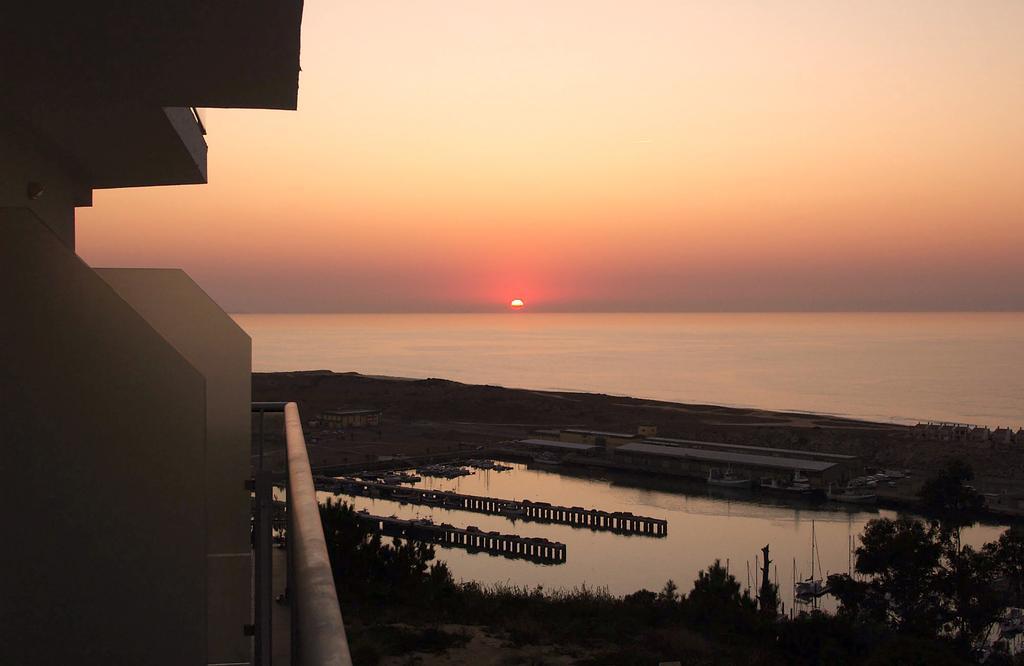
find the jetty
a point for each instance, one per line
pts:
(471, 538)
(620, 522)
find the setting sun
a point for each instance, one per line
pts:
(516, 304)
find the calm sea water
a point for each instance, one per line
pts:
(890, 367)
(703, 524)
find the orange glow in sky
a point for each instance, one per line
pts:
(605, 155)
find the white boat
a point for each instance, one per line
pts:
(773, 484)
(727, 479)
(810, 590)
(547, 459)
(852, 495)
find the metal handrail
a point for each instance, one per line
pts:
(198, 115)
(318, 630)
(321, 631)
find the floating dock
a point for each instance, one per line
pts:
(471, 538)
(620, 522)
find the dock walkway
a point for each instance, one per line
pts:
(471, 538)
(621, 522)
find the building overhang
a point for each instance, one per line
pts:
(124, 145)
(106, 87)
(205, 53)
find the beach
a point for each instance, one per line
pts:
(436, 416)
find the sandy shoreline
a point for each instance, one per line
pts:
(432, 416)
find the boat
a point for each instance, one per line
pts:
(727, 479)
(794, 487)
(852, 495)
(809, 590)
(511, 509)
(436, 499)
(444, 471)
(402, 494)
(547, 459)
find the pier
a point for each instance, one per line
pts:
(471, 538)
(620, 522)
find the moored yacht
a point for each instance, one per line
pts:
(547, 459)
(727, 479)
(774, 484)
(852, 495)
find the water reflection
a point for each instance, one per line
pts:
(703, 525)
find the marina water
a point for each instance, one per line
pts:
(704, 524)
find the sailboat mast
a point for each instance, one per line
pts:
(820, 576)
(811, 575)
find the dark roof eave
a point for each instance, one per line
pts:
(216, 53)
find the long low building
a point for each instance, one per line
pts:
(561, 447)
(852, 463)
(675, 459)
(598, 437)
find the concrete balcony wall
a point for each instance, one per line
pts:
(25, 159)
(102, 452)
(211, 342)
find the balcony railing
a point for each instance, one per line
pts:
(197, 113)
(317, 630)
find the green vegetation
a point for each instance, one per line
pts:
(368, 643)
(918, 579)
(918, 597)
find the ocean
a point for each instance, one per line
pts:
(893, 367)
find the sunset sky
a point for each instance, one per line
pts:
(589, 155)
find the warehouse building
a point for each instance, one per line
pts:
(597, 437)
(685, 461)
(555, 446)
(853, 464)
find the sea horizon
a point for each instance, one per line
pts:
(892, 367)
(534, 310)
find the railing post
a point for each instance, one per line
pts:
(260, 467)
(293, 627)
(264, 523)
